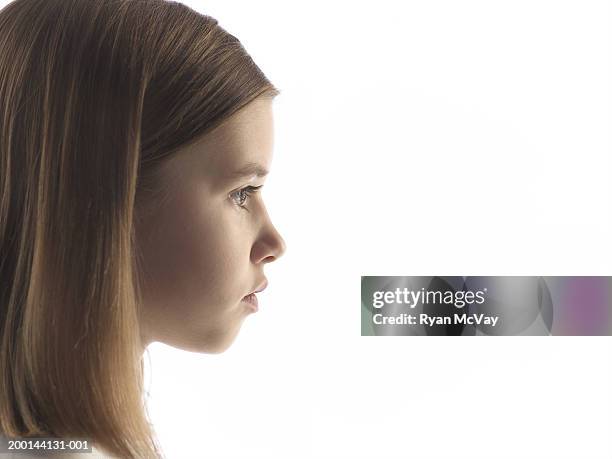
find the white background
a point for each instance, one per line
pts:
(413, 138)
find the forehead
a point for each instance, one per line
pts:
(246, 138)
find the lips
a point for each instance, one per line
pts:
(251, 298)
(261, 287)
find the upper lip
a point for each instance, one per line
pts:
(262, 286)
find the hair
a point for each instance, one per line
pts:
(94, 95)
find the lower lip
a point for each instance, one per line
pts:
(251, 300)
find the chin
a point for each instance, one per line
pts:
(218, 349)
(200, 348)
(213, 343)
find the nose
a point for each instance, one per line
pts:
(269, 246)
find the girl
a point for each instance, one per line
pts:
(134, 138)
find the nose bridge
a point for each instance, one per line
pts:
(269, 245)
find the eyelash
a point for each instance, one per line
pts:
(248, 191)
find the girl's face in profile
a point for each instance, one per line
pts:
(203, 249)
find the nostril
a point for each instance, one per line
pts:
(269, 259)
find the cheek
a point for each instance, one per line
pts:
(193, 259)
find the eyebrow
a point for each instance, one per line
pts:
(248, 170)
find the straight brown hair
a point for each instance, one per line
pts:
(94, 95)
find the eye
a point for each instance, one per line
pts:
(242, 195)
